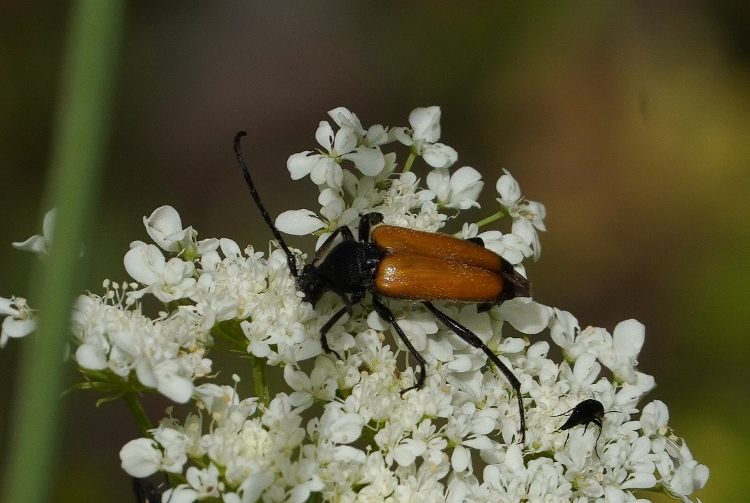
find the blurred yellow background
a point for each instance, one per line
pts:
(629, 121)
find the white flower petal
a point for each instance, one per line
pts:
(180, 494)
(689, 477)
(628, 338)
(466, 185)
(438, 181)
(526, 316)
(230, 248)
(163, 222)
(92, 357)
(140, 458)
(586, 369)
(48, 225)
(508, 188)
(254, 485)
(402, 135)
(344, 142)
(426, 123)
(170, 384)
(16, 328)
(439, 155)
(324, 135)
(40, 244)
(344, 118)
(639, 480)
(145, 263)
(461, 458)
(346, 429)
(301, 164)
(35, 244)
(370, 161)
(298, 222)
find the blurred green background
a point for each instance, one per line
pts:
(629, 121)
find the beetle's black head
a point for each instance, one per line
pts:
(308, 282)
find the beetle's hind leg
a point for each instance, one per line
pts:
(387, 315)
(472, 338)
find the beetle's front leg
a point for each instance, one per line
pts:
(329, 324)
(356, 297)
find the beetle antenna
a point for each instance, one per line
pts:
(248, 179)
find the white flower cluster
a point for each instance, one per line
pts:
(343, 431)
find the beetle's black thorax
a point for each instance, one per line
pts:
(349, 267)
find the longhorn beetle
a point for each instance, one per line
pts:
(403, 264)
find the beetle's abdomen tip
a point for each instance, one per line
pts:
(514, 286)
(523, 289)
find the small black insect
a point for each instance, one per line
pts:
(588, 411)
(145, 491)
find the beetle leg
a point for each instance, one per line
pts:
(365, 222)
(566, 439)
(472, 338)
(356, 297)
(348, 303)
(323, 331)
(330, 242)
(387, 315)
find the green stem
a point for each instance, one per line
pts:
(491, 218)
(409, 162)
(258, 366)
(232, 333)
(78, 148)
(139, 413)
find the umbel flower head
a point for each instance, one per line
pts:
(342, 430)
